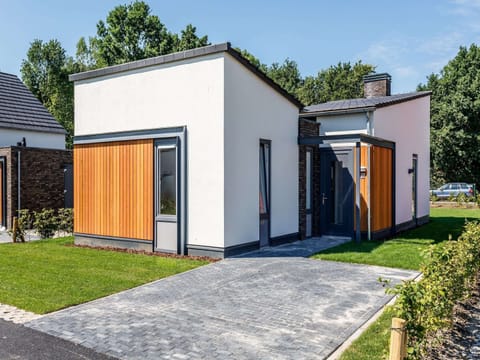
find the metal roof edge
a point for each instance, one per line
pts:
(158, 60)
(338, 112)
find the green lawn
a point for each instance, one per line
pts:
(374, 342)
(404, 251)
(44, 276)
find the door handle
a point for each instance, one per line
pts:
(324, 198)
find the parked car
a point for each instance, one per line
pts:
(453, 190)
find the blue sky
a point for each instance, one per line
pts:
(409, 39)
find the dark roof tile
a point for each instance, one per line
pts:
(20, 109)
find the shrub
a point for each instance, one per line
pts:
(65, 220)
(45, 222)
(448, 276)
(433, 197)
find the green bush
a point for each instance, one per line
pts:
(65, 220)
(448, 276)
(45, 222)
(433, 197)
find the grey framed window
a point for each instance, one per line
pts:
(167, 184)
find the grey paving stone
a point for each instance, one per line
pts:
(263, 305)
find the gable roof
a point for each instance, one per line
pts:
(361, 104)
(20, 109)
(188, 54)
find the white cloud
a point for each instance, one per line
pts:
(442, 44)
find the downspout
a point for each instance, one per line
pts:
(19, 156)
(368, 114)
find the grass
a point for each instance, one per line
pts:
(405, 250)
(45, 276)
(373, 343)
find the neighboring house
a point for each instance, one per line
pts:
(33, 161)
(198, 153)
(373, 162)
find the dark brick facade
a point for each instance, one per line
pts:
(308, 128)
(41, 178)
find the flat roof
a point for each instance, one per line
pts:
(188, 54)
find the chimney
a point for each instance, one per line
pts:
(375, 85)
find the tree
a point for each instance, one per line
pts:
(342, 81)
(455, 119)
(45, 73)
(130, 32)
(286, 75)
(189, 39)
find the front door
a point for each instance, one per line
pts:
(166, 195)
(336, 192)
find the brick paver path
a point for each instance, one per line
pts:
(256, 307)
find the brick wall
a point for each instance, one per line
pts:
(376, 88)
(309, 128)
(41, 181)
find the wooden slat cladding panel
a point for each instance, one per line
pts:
(113, 189)
(381, 187)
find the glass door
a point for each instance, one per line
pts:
(166, 193)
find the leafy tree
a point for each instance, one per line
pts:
(45, 73)
(286, 75)
(130, 32)
(254, 60)
(455, 119)
(342, 81)
(189, 39)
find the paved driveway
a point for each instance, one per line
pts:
(260, 306)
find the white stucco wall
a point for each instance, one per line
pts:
(187, 93)
(254, 111)
(355, 123)
(10, 137)
(408, 124)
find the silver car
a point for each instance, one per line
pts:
(453, 190)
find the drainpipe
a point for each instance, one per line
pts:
(368, 114)
(19, 156)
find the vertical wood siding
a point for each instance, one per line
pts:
(381, 187)
(113, 189)
(380, 177)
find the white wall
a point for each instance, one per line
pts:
(10, 137)
(253, 110)
(188, 93)
(408, 124)
(343, 124)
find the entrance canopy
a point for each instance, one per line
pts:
(374, 179)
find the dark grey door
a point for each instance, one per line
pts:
(336, 192)
(166, 196)
(264, 196)
(68, 185)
